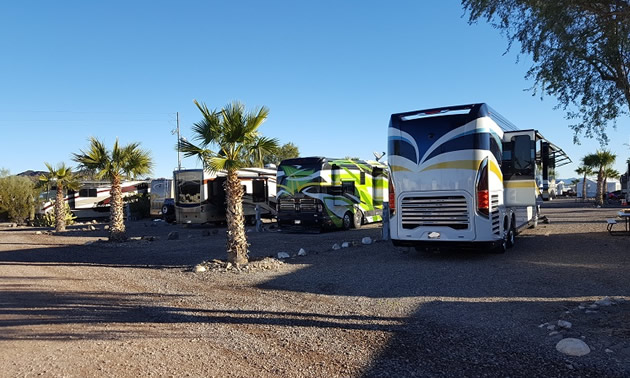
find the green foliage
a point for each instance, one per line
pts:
(580, 51)
(122, 162)
(229, 138)
(139, 205)
(48, 219)
(17, 198)
(286, 151)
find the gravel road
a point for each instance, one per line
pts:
(74, 306)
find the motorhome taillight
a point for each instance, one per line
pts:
(483, 202)
(483, 195)
(392, 197)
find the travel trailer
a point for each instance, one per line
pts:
(92, 200)
(319, 192)
(161, 189)
(464, 176)
(200, 195)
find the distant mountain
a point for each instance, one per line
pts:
(30, 173)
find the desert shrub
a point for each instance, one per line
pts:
(139, 205)
(49, 219)
(17, 198)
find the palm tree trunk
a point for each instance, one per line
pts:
(236, 239)
(584, 188)
(60, 216)
(600, 195)
(116, 218)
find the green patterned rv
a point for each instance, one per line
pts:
(319, 192)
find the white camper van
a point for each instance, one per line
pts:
(464, 176)
(200, 195)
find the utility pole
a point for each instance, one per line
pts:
(179, 158)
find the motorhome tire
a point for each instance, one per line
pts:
(501, 247)
(511, 236)
(357, 219)
(347, 220)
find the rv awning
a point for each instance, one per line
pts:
(556, 153)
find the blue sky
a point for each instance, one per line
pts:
(331, 73)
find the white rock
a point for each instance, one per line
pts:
(336, 247)
(608, 350)
(200, 268)
(543, 325)
(92, 228)
(551, 327)
(345, 245)
(553, 333)
(366, 240)
(564, 324)
(283, 255)
(604, 302)
(573, 347)
(106, 227)
(38, 232)
(302, 252)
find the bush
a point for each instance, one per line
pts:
(49, 219)
(17, 198)
(139, 205)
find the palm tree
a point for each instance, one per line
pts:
(586, 171)
(600, 160)
(610, 173)
(61, 177)
(233, 134)
(126, 162)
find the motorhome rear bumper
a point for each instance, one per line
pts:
(446, 244)
(304, 220)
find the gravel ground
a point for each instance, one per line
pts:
(73, 306)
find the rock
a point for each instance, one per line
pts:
(336, 247)
(302, 252)
(173, 235)
(594, 306)
(94, 221)
(200, 268)
(228, 265)
(106, 227)
(604, 302)
(608, 350)
(366, 240)
(151, 238)
(543, 325)
(551, 327)
(38, 232)
(283, 255)
(564, 324)
(92, 228)
(345, 245)
(553, 333)
(573, 347)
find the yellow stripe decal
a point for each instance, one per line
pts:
(528, 184)
(494, 168)
(455, 164)
(398, 168)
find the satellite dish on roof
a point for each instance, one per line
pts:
(378, 155)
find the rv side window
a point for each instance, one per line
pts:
(258, 191)
(362, 178)
(347, 187)
(87, 192)
(523, 163)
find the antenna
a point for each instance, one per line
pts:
(378, 155)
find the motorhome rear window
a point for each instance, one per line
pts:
(188, 191)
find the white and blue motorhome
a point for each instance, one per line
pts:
(464, 176)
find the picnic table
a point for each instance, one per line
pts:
(623, 214)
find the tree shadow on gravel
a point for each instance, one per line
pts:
(477, 312)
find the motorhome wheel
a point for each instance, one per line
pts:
(357, 219)
(347, 220)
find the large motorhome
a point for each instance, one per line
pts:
(161, 189)
(200, 195)
(464, 176)
(319, 192)
(92, 200)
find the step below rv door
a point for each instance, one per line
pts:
(519, 168)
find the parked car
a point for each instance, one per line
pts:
(616, 195)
